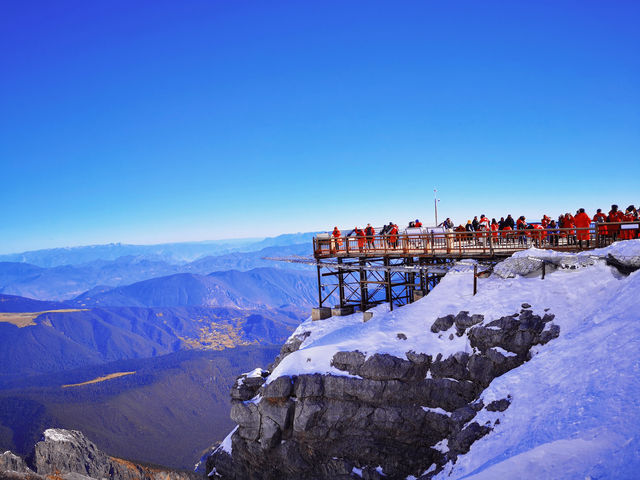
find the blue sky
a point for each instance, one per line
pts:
(154, 121)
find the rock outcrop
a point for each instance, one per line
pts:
(69, 455)
(387, 417)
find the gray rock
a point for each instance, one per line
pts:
(461, 442)
(246, 415)
(348, 361)
(9, 461)
(281, 387)
(321, 426)
(464, 321)
(499, 405)
(442, 324)
(418, 358)
(454, 366)
(550, 334)
(463, 415)
(305, 386)
(388, 367)
(68, 454)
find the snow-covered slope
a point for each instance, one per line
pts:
(575, 406)
(575, 411)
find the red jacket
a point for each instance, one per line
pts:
(600, 217)
(582, 221)
(393, 234)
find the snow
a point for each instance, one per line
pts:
(442, 446)
(255, 373)
(504, 352)
(225, 446)
(380, 471)
(357, 471)
(58, 435)
(438, 410)
(575, 410)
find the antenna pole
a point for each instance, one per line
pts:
(435, 204)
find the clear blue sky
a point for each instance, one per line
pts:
(153, 121)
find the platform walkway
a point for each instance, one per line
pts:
(438, 243)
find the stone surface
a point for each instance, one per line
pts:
(388, 411)
(321, 313)
(342, 311)
(443, 323)
(69, 455)
(9, 461)
(499, 405)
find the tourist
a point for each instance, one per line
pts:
(582, 223)
(615, 216)
(336, 241)
(369, 232)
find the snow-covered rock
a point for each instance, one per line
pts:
(530, 378)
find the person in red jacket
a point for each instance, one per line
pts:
(417, 223)
(494, 229)
(369, 232)
(545, 221)
(337, 241)
(393, 236)
(360, 236)
(567, 223)
(628, 234)
(582, 223)
(600, 218)
(615, 216)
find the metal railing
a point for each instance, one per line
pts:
(475, 243)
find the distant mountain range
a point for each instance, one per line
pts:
(260, 287)
(172, 253)
(138, 346)
(68, 281)
(62, 341)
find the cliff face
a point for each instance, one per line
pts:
(415, 392)
(69, 455)
(391, 416)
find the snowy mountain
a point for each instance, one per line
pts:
(530, 378)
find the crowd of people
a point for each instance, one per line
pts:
(570, 229)
(575, 228)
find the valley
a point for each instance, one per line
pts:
(140, 352)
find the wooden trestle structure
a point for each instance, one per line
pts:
(361, 272)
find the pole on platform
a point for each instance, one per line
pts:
(319, 287)
(435, 205)
(475, 279)
(387, 281)
(341, 283)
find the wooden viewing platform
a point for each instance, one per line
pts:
(359, 272)
(438, 243)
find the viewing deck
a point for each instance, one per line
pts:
(359, 272)
(438, 243)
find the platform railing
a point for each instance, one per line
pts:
(486, 243)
